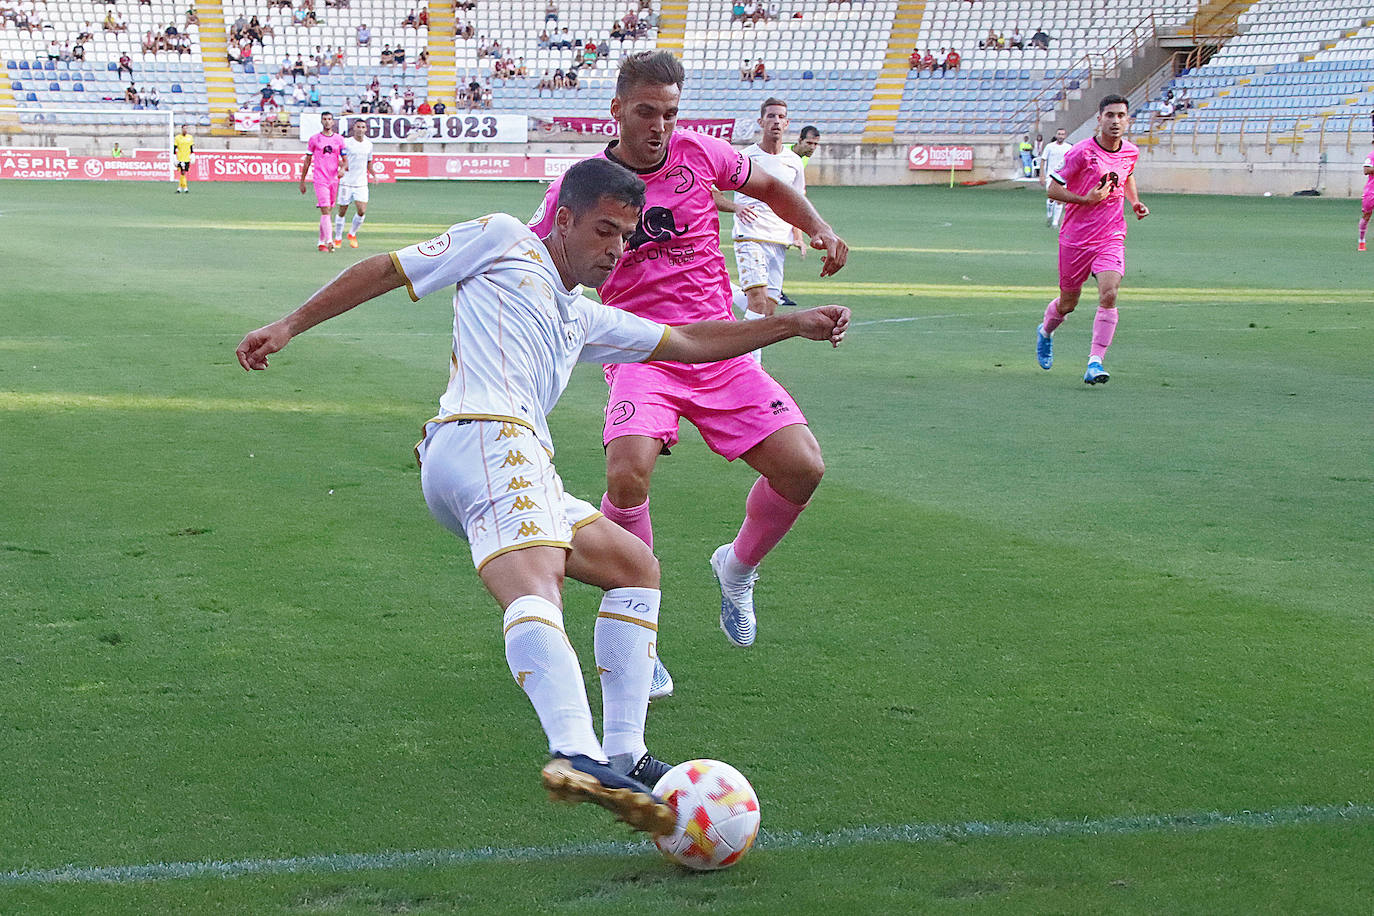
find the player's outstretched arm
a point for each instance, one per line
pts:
(790, 204)
(712, 341)
(365, 280)
(305, 170)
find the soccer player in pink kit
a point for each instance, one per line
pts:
(1097, 175)
(673, 271)
(1367, 205)
(323, 155)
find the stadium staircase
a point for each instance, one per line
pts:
(219, 79)
(1215, 21)
(672, 26)
(881, 124)
(443, 67)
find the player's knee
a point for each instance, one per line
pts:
(627, 484)
(800, 480)
(1107, 299)
(642, 569)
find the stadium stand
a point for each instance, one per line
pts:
(838, 64)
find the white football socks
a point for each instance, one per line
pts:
(338, 227)
(357, 221)
(543, 663)
(626, 640)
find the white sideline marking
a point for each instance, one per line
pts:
(853, 836)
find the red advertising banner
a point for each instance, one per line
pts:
(723, 128)
(251, 165)
(54, 163)
(943, 158)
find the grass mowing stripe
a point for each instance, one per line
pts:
(853, 836)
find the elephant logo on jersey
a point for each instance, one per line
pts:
(684, 178)
(656, 224)
(1113, 177)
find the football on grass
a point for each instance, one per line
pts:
(717, 814)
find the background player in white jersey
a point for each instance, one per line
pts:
(486, 459)
(761, 237)
(353, 185)
(1051, 161)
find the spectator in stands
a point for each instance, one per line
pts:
(398, 57)
(440, 107)
(550, 12)
(1017, 42)
(1181, 99)
(914, 61)
(113, 22)
(131, 95)
(543, 42)
(395, 99)
(54, 49)
(126, 65)
(386, 58)
(314, 97)
(298, 97)
(1041, 40)
(486, 96)
(191, 18)
(603, 50)
(952, 60)
(746, 71)
(571, 80)
(152, 99)
(1166, 105)
(150, 43)
(545, 83)
(737, 11)
(520, 69)
(78, 51)
(311, 19)
(297, 68)
(409, 22)
(422, 61)
(992, 42)
(563, 41)
(760, 71)
(589, 53)
(408, 101)
(425, 108)
(86, 34)
(364, 34)
(928, 62)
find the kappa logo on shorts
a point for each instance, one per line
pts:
(528, 529)
(518, 483)
(508, 431)
(514, 458)
(620, 412)
(522, 504)
(778, 407)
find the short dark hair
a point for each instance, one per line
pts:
(809, 130)
(1113, 99)
(769, 103)
(592, 179)
(652, 68)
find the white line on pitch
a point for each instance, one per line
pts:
(854, 836)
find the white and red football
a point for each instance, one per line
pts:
(717, 814)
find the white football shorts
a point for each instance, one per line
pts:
(491, 483)
(350, 193)
(760, 264)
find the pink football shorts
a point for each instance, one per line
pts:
(734, 404)
(1368, 204)
(326, 192)
(1076, 265)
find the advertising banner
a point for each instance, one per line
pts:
(453, 127)
(723, 128)
(53, 163)
(943, 158)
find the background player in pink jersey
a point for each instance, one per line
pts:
(1098, 174)
(1367, 205)
(674, 272)
(323, 159)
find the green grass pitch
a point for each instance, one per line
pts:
(1127, 629)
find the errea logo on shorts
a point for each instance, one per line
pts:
(434, 247)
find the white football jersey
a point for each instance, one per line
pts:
(1053, 157)
(517, 332)
(769, 227)
(358, 153)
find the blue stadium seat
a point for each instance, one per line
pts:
(23, 65)
(16, 86)
(54, 87)
(77, 87)
(176, 87)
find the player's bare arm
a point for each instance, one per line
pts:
(788, 203)
(1139, 209)
(365, 280)
(305, 170)
(712, 341)
(1057, 191)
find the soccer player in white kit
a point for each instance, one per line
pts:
(761, 237)
(353, 184)
(1051, 161)
(520, 325)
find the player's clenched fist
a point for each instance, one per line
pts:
(827, 322)
(255, 347)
